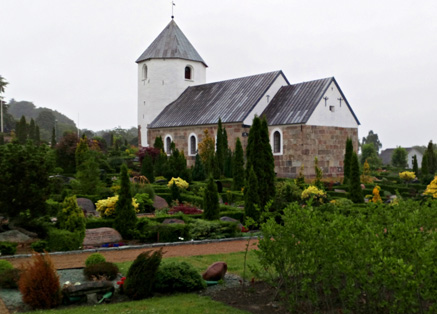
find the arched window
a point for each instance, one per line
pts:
(277, 142)
(168, 141)
(188, 73)
(192, 145)
(144, 72)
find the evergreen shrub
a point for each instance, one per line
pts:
(9, 278)
(5, 265)
(178, 277)
(40, 246)
(63, 240)
(93, 223)
(141, 276)
(102, 270)
(8, 248)
(94, 258)
(203, 229)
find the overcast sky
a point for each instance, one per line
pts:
(78, 57)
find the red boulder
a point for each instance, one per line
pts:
(215, 272)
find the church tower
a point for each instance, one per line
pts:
(165, 69)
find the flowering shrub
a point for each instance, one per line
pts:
(180, 183)
(376, 197)
(313, 192)
(106, 207)
(431, 189)
(407, 175)
(186, 209)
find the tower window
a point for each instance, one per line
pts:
(188, 73)
(192, 149)
(144, 72)
(168, 141)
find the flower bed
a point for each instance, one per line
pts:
(185, 209)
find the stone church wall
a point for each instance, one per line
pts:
(301, 144)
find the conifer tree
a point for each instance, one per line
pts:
(175, 193)
(2, 139)
(319, 174)
(88, 175)
(159, 143)
(238, 166)
(125, 216)
(198, 170)
(37, 135)
(206, 152)
(211, 209)
(71, 217)
(147, 168)
(53, 142)
(432, 158)
(251, 196)
(347, 160)
(21, 130)
(415, 166)
(424, 171)
(32, 130)
(220, 149)
(161, 164)
(81, 151)
(228, 164)
(253, 146)
(268, 188)
(355, 191)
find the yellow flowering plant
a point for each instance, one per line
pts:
(180, 183)
(376, 196)
(431, 189)
(312, 193)
(106, 207)
(407, 175)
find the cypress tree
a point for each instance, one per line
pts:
(175, 193)
(238, 166)
(147, 168)
(268, 188)
(432, 158)
(125, 216)
(355, 191)
(251, 196)
(32, 130)
(347, 160)
(253, 148)
(415, 166)
(228, 164)
(81, 153)
(198, 170)
(161, 164)
(53, 142)
(159, 143)
(220, 149)
(211, 209)
(22, 130)
(2, 139)
(37, 135)
(424, 170)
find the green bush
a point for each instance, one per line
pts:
(52, 207)
(71, 217)
(9, 278)
(93, 223)
(94, 258)
(101, 270)
(63, 240)
(5, 265)
(40, 246)
(141, 276)
(145, 202)
(203, 229)
(8, 248)
(168, 232)
(178, 277)
(236, 214)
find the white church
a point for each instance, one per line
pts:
(306, 120)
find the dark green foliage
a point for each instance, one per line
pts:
(8, 248)
(94, 258)
(251, 197)
(424, 171)
(101, 270)
(53, 141)
(372, 138)
(2, 139)
(159, 143)
(215, 168)
(63, 240)
(5, 265)
(415, 166)
(32, 130)
(24, 179)
(211, 201)
(178, 277)
(369, 153)
(21, 130)
(347, 160)
(175, 193)
(319, 174)
(145, 202)
(125, 216)
(88, 175)
(71, 217)
(399, 157)
(81, 152)
(141, 276)
(161, 165)
(198, 173)
(203, 229)
(220, 148)
(9, 278)
(66, 152)
(227, 170)
(165, 232)
(429, 161)
(147, 169)
(40, 246)
(177, 166)
(238, 166)
(355, 191)
(37, 135)
(92, 223)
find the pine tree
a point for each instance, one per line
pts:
(53, 142)
(147, 168)
(424, 171)
(211, 209)
(81, 153)
(355, 191)
(220, 149)
(432, 158)
(71, 217)
(415, 166)
(198, 173)
(252, 197)
(161, 164)
(238, 166)
(347, 160)
(88, 175)
(125, 216)
(253, 146)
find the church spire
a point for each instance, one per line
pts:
(172, 6)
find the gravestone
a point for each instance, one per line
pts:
(215, 272)
(159, 202)
(99, 236)
(87, 207)
(14, 236)
(173, 221)
(229, 219)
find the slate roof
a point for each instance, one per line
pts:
(294, 104)
(386, 154)
(230, 100)
(171, 44)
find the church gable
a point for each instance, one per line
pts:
(232, 101)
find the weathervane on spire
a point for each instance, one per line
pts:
(172, 5)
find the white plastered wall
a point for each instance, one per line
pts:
(340, 115)
(164, 83)
(264, 101)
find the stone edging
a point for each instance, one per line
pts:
(131, 247)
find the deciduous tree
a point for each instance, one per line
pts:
(399, 157)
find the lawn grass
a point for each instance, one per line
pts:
(235, 262)
(180, 303)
